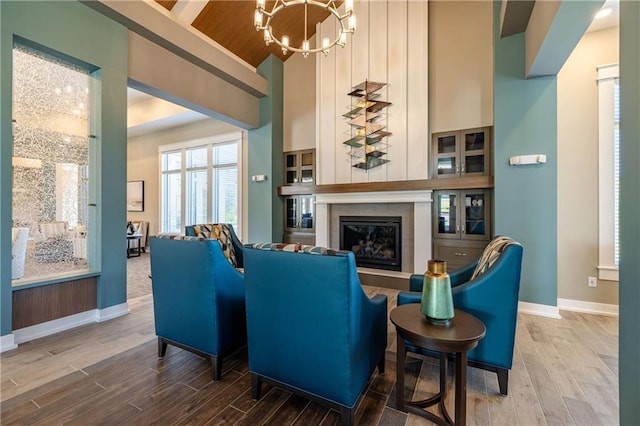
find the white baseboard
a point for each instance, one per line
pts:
(588, 307)
(539, 309)
(111, 312)
(61, 324)
(7, 342)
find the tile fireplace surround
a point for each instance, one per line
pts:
(413, 206)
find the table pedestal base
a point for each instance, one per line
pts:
(418, 407)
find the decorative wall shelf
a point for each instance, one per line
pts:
(365, 117)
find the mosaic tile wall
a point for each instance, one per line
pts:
(51, 103)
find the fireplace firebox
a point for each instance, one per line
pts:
(374, 240)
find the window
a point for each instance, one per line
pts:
(609, 171)
(52, 147)
(199, 183)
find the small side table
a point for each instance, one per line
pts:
(460, 335)
(133, 237)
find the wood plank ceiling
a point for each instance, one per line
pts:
(230, 24)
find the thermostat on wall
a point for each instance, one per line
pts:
(259, 178)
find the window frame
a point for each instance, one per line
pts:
(608, 242)
(209, 143)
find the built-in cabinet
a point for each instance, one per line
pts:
(299, 209)
(461, 225)
(461, 153)
(299, 223)
(299, 167)
(461, 217)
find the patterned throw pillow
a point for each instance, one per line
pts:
(222, 233)
(491, 253)
(180, 237)
(299, 248)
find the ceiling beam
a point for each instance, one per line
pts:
(155, 23)
(186, 11)
(514, 16)
(554, 30)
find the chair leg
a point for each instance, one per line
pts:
(503, 380)
(381, 364)
(162, 347)
(216, 363)
(256, 384)
(347, 415)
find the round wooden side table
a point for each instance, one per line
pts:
(459, 336)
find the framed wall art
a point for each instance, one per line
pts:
(135, 196)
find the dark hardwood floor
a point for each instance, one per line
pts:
(565, 373)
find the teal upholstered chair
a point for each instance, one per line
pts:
(311, 328)
(198, 299)
(493, 298)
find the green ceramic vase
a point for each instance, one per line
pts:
(437, 300)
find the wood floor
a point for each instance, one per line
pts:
(565, 373)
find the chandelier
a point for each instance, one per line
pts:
(347, 23)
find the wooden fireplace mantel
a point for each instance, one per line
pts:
(475, 182)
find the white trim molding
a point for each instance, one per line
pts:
(61, 324)
(539, 309)
(7, 342)
(608, 273)
(588, 307)
(420, 199)
(112, 312)
(607, 270)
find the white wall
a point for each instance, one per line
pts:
(389, 46)
(578, 169)
(299, 109)
(460, 65)
(437, 58)
(143, 163)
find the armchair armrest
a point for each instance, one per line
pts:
(457, 277)
(405, 297)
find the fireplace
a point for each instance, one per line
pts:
(374, 240)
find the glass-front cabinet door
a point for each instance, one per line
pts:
(291, 213)
(461, 153)
(446, 154)
(299, 167)
(463, 214)
(446, 215)
(290, 169)
(476, 215)
(475, 152)
(306, 205)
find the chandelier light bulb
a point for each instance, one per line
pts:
(348, 4)
(285, 44)
(267, 37)
(343, 39)
(260, 4)
(352, 23)
(325, 43)
(258, 19)
(305, 46)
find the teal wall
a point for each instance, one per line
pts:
(265, 158)
(78, 32)
(629, 346)
(525, 122)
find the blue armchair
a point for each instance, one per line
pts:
(493, 298)
(198, 299)
(311, 328)
(225, 233)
